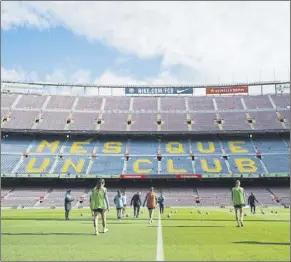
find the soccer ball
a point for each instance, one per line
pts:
(207, 213)
(126, 215)
(81, 214)
(276, 212)
(191, 212)
(169, 216)
(245, 214)
(272, 211)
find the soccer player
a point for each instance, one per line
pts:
(124, 199)
(119, 204)
(197, 201)
(238, 200)
(136, 202)
(251, 201)
(151, 201)
(68, 205)
(161, 201)
(276, 198)
(99, 204)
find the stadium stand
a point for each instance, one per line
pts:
(229, 103)
(230, 121)
(154, 147)
(113, 104)
(182, 196)
(25, 111)
(61, 155)
(144, 122)
(92, 103)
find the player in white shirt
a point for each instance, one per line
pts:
(124, 200)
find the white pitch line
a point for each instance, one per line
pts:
(160, 246)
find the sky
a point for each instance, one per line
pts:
(157, 43)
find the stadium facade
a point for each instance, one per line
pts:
(166, 136)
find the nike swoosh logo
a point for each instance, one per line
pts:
(183, 90)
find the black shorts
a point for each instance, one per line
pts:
(197, 202)
(99, 210)
(119, 208)
(239, 206)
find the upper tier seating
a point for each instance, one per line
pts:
(137, 114)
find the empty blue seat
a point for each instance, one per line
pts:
(245, 164)
(72, 165)
(143, 146)
(175, 146)
(107, 165)
(11, 144)
(206, 146)
(210, 165)
(176, 165)
(111, 146)
(142, 165)
(277, 163)
(8, 162)
(81, 145)
(238, 146)
(47, 144)
(271, 145)
(36, 165)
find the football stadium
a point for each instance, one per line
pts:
(190, 143)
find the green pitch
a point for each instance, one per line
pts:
(43, 235)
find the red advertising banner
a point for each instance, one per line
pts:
(189, 176)
(227, 90)
(132, 176)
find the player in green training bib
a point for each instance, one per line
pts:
(99, 204)
(238, 201)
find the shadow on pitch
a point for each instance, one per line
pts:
(83, 221)
(190, 226)
(261, 243)
(139, 219)
(47, 234)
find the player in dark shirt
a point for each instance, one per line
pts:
(68, 205)
(136, 202)
(161, 201)
(252, 202)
